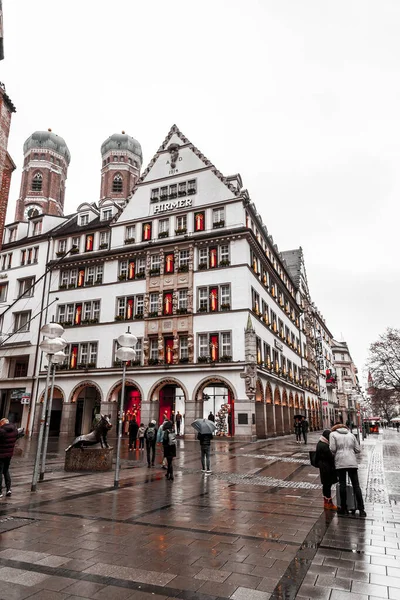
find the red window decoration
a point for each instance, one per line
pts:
(89, 242)
(131, 269)
(81, 277)
(214, 299)
(146, 232)
(199, 221)
(129, 309)
(214, 352)
(213, 258)
(29, 256)
(74, 357)
(78, 314)
(169, 263)
(169, 351)
(168, 303)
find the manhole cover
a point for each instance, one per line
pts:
(9, 523)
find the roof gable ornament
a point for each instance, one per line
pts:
(174, 131)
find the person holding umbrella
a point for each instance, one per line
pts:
(205, 430)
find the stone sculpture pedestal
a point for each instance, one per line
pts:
(88, 459)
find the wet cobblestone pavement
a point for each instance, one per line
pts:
(253, 530)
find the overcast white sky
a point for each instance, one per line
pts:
(302, 97)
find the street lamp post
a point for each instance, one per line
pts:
(56, 359)
(51, 344)
(125, 353)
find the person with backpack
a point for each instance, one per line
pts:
(150, 435)
(133, 431)
(141, 432)
(205, 448)
(169, 444)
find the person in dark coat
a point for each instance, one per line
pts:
(211, 417)
(133, 431)
(297, 430)
(205, 447)
(325, 462)
(150, 435)
(178, 421)
(8, 437)
(169, 445)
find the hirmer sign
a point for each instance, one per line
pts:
(166, 206)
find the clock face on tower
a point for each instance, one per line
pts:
(32, 211)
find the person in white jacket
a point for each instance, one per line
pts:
(344, 447)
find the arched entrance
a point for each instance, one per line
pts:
(260, 411)
(218, 397)
(269, 407)
(87, 398)
(278, 412)
(132, 402)
(167, 399)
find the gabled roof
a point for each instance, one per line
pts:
(175, 131)
(293, 260)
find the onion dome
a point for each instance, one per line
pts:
(48, 140)
(122, 141)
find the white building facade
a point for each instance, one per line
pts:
(186, 263)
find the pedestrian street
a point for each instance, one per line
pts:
(253, 529)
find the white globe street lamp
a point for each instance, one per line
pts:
(125, 353)
(51, 346)
(52, 330)
(56, 359)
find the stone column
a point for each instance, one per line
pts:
(67, 425)
(193, 411)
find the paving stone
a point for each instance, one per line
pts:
(315, 592)
(244, 593)
(87, 589)
(213, 575)
(242, 580)
(13, 591)
(333, 582)
(49, 595)
(385, 580)
(359, 587)
(342, 595)
(21, 577)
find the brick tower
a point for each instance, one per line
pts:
(122, 160)
(46, 160)
(6, 164)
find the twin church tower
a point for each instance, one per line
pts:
(45, 170)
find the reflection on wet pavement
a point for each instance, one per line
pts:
(252, 530)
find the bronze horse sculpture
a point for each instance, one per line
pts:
(97, 436)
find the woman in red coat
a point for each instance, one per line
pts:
(8, 437)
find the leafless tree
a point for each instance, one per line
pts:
(384, 361)
(384, 403)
